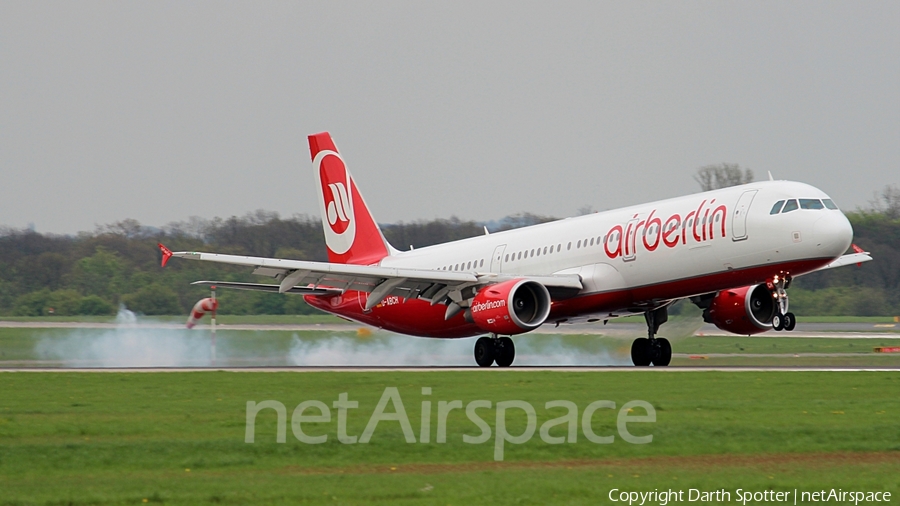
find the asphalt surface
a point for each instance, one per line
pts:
(624, 330)
(307, 369)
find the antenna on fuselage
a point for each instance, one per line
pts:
(770, 175)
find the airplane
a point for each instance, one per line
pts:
(733, 252)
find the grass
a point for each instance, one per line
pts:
(178, 438)
(780, 344)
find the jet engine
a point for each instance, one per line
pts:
(512, 307)
(747, 310)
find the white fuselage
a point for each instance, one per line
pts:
(656, 243)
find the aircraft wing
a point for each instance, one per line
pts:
(322, 278)
(852, 258)
(857, 257)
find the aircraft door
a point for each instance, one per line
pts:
(739, 217)
(497, 259)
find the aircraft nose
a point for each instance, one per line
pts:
(833, 233)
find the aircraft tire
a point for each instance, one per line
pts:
(778, 322)
(641, 352)
(484, 351)
(790, 321)
(664, 352)
(504, 351)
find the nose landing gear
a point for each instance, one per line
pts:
(783, 319)
(652, 350)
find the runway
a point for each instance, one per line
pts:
(487, 370)
(152, 346)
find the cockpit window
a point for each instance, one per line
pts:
(829, 204)
(790, 205)
(777, 207)
(811, 204)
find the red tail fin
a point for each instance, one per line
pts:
(351, 234)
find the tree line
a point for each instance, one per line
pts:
(93, 273)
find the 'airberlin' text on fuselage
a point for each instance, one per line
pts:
(699, 225)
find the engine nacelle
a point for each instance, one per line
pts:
(747, 310)
(511, 307)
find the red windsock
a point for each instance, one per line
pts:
(200, 309)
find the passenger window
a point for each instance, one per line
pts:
(790, 205)
(811, 204)
(578, 245)
(481, 264)
(532, 253)
(545, 250)
(829, 204)
(777, 207)
(569, 246)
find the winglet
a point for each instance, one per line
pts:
(166, 254)
(858, 250)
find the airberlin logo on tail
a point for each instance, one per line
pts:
(338, 210)
(336, 201)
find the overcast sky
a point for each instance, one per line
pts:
(159, 111)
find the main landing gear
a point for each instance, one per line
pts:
(494, 349)
(783, 320)
(652, 350)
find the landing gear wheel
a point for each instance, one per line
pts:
(641, 352)
(778, 322)
(790, 321)
(663, 354)
(504, 351)
(484, 351)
